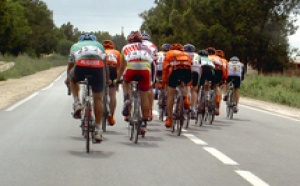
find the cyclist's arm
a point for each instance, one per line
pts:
(122, 67)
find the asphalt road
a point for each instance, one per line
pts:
(41, 144)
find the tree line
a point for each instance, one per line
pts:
(254, 30)
(27, 27)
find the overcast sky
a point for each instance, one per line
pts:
(110, 15)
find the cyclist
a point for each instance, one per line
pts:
(136, 59)
(87, 57)
(146, 41)
(236, 74)
(207, 73)
(177, 67)
(218, 75)
(221, 54)
(190, 49)
(113, 63)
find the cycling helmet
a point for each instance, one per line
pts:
(165, 47)
(189, 48)
(211, 50)
(234, 58)
(145, 35)
(220, 53)
(176, 46)
(85, 37)
(108, 44)
(203, 53)
(134, 36)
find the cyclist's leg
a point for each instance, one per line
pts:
(112, 95)
(186, 77)
(97, 82)
(171, 89)
(76, 74)
(218, 78)
(194, 92)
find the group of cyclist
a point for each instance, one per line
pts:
(140, 60)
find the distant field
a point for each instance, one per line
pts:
(24, 65)
(274, 88)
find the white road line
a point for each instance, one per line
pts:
(251, 178)
(270, 113)
(49, 86)
(220, 156)
(196, 140)
(21, 102)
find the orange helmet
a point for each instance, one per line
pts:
(211, 50)
(176, 46)
(220, 53)
(108, 44)
(134, 36)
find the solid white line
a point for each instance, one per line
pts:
(196, 140)
(271, 113)
(49, 86)
(21, 102)
(251, 178)
(220, 156)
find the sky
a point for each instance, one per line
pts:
(112, 16)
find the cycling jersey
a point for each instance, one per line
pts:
(138, 58)
(195, 60)
(235, 68)
(113, 59)
(87, 53)
(89, 58)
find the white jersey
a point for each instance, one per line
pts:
(235, 68)
(152, 47)
(160, 58)
(195, 61)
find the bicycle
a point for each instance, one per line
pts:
(162, 104)
(106, 111)
(135, 118)
(210, 106)
(230, 102)
(200, 112)
(88, 128)
(178, 110)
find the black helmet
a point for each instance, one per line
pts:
(203, 53)
(165, 47)
(189, 48)
(211, 50)
(86, 36)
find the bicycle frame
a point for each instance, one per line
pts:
(230, 100)
(135, 120)
(87, 117)
(178, 110)
(106, 111)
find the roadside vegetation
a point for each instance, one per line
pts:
(273, 88)
(25, 65)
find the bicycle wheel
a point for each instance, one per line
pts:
(88, 128)
(105, 113)
(137, 131)
(181, 116)
(188, 118)
(230, 109)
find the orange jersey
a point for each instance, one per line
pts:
(113, 58)
(175, 59)
(225, 67)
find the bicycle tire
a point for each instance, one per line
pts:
(188, 118)
(88, 131)
(105, 114)
(231, 105)
(181, 116)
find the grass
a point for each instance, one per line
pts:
(24, 65)
(274, 88)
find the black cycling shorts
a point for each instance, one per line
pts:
(112, 75)
(218, 76)
(178, 75)
(236, 81)
(195, 79)
(208, 74)
(97, 80)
